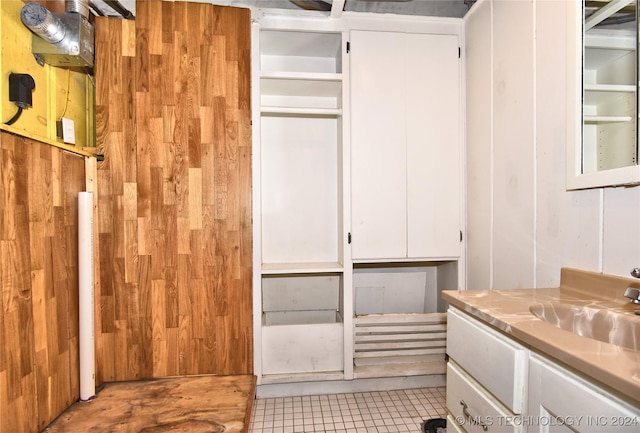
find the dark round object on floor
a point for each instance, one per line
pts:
(435, 425)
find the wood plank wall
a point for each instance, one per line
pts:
(173, 122)
(38, 282)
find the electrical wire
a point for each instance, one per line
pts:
(66, 104)
(15, 117)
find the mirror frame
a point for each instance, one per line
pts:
(624, 176)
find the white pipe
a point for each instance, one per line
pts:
(86, 296)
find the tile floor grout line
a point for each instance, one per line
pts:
(400, 411)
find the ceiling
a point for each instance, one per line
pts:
(435, 8)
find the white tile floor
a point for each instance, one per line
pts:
(362, 412)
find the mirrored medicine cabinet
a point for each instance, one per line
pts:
(602, 71)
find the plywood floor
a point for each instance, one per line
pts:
(200, 404)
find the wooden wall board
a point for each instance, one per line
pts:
(38, 281)
(173, 122)
(200, 404)
(173, 244)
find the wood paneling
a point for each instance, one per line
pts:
(38, 282)
(173, 122)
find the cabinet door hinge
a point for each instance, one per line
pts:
(348, 47)
(349, 238)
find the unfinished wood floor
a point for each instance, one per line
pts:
(201, 404)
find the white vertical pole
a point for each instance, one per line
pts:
(86, 296)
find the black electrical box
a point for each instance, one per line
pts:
(20, 88)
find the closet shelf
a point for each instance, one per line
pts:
(306, 111)
(609, 95)
(301, 84)
(309, 76)
(301, 268)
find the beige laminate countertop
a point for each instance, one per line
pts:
(615, 367)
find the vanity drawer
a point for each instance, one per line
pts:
(499, 364)
(563, 399)
(472, 408)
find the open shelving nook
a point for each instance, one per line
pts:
(301, 228)
(301, 151)
(302, 334)
(300, 73)
(400, 318)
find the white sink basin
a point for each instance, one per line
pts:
(620, 329)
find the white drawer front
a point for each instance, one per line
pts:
(563, 402)
(473, 409)
(499, 364)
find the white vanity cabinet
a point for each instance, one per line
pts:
(405, 145)
(495, 384)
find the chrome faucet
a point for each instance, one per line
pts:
(633, 294)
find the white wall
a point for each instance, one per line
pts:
(522, 225)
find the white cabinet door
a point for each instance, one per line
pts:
(378, 163)
(433, 146)
(405, 145)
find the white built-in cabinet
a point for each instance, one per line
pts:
(319, 315)
(405, 145)
(298, 200)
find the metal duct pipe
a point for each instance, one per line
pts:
(78, 6)
(42, 22)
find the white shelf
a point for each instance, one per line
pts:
(302, 76)
(622, 88)
(607, 119)
(309, 85)
(301, 268)
(610, 97)
(302, 111)
(301, 93)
